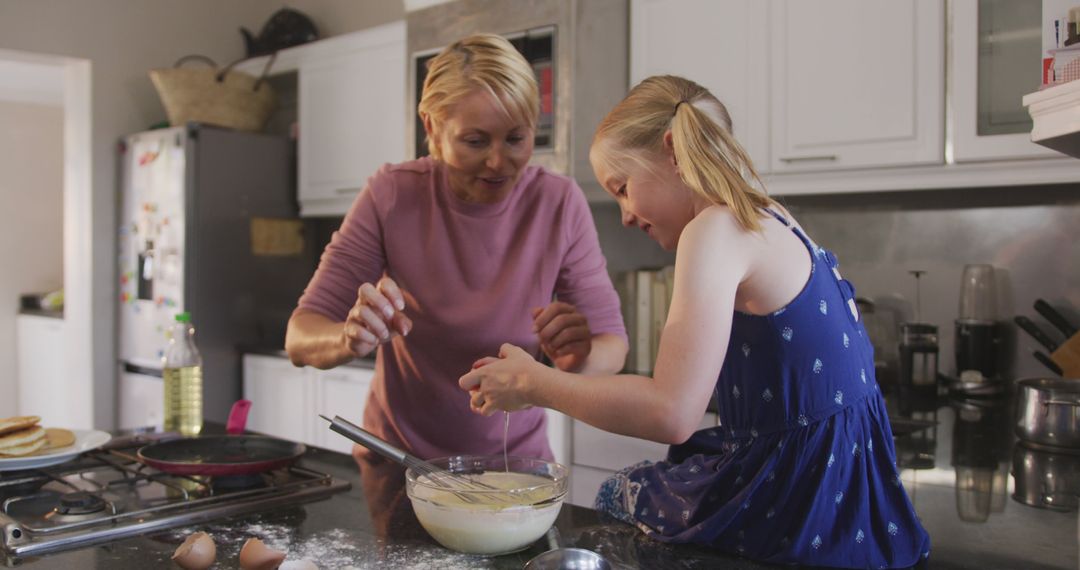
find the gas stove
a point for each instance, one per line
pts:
(107, 494)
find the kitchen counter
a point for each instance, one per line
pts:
(955, 455)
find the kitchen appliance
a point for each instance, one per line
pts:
(107, 494)
(189, 197)
(976, 328)
(980, 448)
(918, 353)
(571, 45)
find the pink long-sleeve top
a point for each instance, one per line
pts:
(470, 273)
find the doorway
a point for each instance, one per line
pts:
(43, 79)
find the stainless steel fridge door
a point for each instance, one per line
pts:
(150, 242)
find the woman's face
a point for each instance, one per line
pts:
(651, 196)
(484, 150)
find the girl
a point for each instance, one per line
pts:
(802, 468)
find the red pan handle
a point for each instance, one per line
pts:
(238, 417)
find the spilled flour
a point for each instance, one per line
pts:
(332, 549)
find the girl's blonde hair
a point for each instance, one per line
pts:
(484, 61)
(710, 160)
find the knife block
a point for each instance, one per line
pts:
(1067, 356)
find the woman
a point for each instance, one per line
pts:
(442, 259)
(802, 470)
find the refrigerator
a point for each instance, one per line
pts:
(191, 199)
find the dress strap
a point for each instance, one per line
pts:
(798, 233)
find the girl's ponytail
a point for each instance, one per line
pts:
(712, 163)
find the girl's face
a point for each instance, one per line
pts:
(484, 150)
(651, 196)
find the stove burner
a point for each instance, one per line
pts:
(80, 503)
(238, 482)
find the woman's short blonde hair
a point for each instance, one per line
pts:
(711, 162)
(480, 61)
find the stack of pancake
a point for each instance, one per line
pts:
(21, 435)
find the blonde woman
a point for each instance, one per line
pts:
(802, 469)
(443, 259)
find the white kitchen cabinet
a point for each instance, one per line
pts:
(342, 391)
(995, 60)
(352, 115)
(281, 405)
(857, 83)
(41, 369)
(695, 39)
(286, 401)
(598, 454)
(143, 404)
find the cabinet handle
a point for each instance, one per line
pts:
(347, 191)
(824, 157)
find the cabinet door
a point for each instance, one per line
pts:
(43, 385)
(857, 83)
(608, 451)
(995, 60)
(142, 404)
(720, 44)
(352, 117)
(279, 397)
(343, 392)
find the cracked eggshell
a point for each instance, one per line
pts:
(255, 555)
(198, 552)
(298, 565)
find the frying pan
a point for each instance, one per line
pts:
(222, 455)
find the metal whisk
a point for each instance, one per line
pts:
(462, 486)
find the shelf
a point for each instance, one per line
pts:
(1055, 112)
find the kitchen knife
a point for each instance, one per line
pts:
(1045, 360)
(1050, 313)
(1033, 329)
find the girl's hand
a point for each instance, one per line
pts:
(375, 318)
(564, 335)
(501, 384)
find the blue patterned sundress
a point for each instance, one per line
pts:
(802, 469)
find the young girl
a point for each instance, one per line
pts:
(801, 468)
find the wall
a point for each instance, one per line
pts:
(1028, 234)
(122, 40)
(31, 158)
(1031, 235)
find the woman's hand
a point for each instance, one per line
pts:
(501, 383)
(564, 335)
(375, 318)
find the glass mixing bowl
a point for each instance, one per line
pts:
(528, 499)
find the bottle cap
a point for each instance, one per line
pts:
(184, 317)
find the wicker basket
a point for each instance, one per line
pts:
(215, 96)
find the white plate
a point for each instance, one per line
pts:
(85, 440)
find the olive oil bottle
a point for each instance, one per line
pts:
(182, 372)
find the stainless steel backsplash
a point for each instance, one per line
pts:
(1031, 235)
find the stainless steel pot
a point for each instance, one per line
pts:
(1045, 479)
(1048, 412)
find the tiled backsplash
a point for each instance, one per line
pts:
(1031, 235)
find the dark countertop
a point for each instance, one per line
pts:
(956, 472)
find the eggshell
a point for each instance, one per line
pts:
(198, 552)
(298, 565)
(257, 556)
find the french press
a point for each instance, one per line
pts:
(918, 350)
